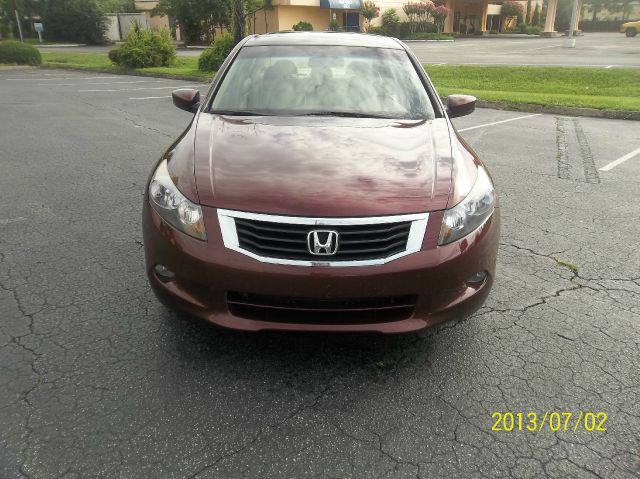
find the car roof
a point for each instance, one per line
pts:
(324, 38)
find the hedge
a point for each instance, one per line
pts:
(212, 58)
(19, 53)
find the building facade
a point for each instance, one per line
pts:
(468, 16)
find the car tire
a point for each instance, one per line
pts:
(631, 32)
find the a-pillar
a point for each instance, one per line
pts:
(448, 23)
(483, 20)
(550, 21)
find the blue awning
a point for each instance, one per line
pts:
(340, 4)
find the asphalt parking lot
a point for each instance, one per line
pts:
(97, 379)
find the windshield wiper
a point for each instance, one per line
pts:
(347, 114)
(238, 113)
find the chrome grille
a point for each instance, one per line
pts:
(355, 242)
(285, 239)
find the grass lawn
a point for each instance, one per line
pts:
(182, 66)
(613, 89)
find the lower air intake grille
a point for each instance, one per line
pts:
(320, 311)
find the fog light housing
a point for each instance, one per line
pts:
(477, 278)
(164, 273)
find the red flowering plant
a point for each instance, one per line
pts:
(418, 14)
(439, 15)
(369, 10)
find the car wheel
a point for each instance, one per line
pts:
(631, 32)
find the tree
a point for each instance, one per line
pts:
(25, 8)
(439, 14)
(624, 6)
(536, 16)
(391, 22)
(239, 21)
(511, 9)
(596, 7)
(369, 10)
(117, 6)
(80, 21)
(197, 18)
(411, 10)
(527, 18)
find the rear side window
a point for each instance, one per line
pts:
(307, 80)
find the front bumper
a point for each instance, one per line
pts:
(206, 273)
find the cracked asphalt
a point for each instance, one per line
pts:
(97, 379)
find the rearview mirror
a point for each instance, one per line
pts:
(460, 105)
(186, 99)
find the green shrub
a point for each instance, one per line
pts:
(427, 27)
(533, 30)
(429, 36)
(20, 53)
(80, 21)
(212, 58)
(143, 48)
(334, 26)
(114, 56)
(404, 29)
(302, 26)
(6, 29)
(391, 23)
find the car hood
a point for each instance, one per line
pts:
(322, 166)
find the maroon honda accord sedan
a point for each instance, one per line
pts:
(321, 186)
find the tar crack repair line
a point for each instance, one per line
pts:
(590, 172)
(563, 153)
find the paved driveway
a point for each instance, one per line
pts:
(608, 50)
(97, 379)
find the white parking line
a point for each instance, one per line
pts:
(148, 97)
(148, 88)
(63, 78)
(499, 122)
(620, 160)
(101, 83)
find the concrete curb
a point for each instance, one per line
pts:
(561, 110)
(9, 68)
(60, 45)
(426, 41)
(127, 72)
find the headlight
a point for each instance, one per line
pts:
(471, 212)
(172, 205)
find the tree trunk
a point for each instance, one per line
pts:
(238, 21)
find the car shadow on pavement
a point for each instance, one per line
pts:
(307, 355)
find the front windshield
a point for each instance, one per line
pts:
(323, 80)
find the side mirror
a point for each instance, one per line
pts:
(186, 99)
(460, 105)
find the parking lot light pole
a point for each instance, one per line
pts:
(570, 42)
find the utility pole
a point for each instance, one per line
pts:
(570, 42)
(19, 25)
